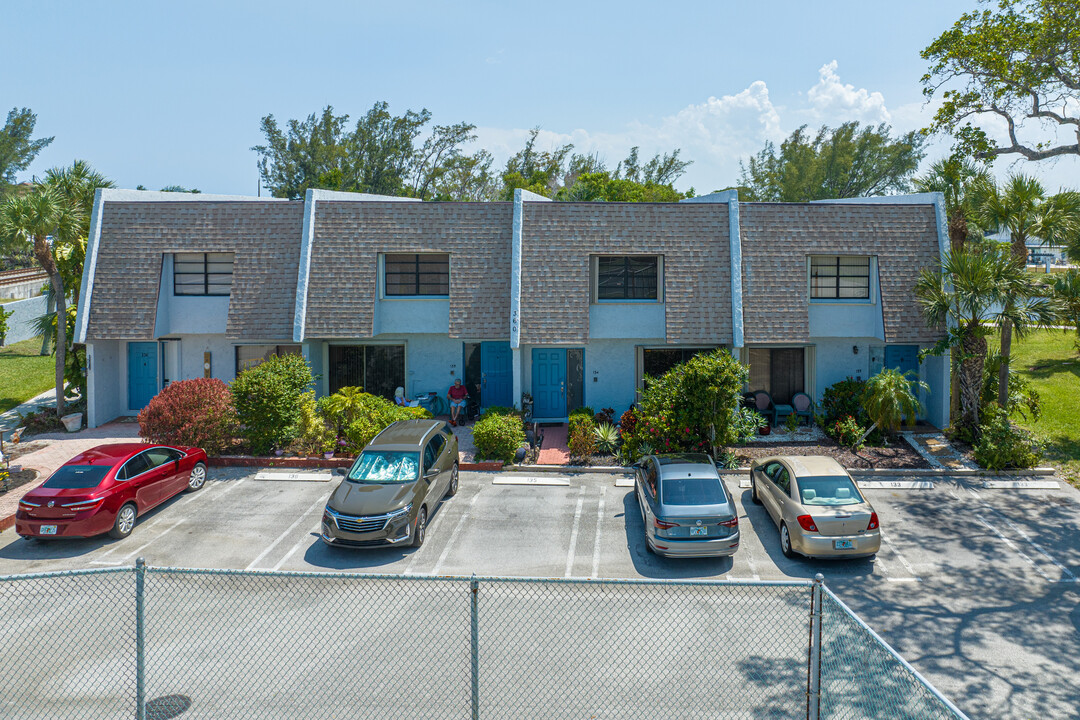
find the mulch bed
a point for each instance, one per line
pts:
(898, 455)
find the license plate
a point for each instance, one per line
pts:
(699, 531)
(47, 529)
(843, 544)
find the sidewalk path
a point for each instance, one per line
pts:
(936, 450)
(61, 448)
(10, 420)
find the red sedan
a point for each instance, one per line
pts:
(106, 488)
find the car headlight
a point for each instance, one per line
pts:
(396, 514)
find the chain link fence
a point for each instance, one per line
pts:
(157, 643)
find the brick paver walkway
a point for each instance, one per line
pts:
(555, 450)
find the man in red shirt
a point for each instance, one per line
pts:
(456, 395)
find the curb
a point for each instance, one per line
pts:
(568, 469)
(927, 472)
(8, 522)
(315, 462)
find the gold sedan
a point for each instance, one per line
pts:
(818, 507)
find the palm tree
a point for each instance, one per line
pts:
(45, 220)
(960, 180)
(1022, 208)
(976, 283)
(1066, 289)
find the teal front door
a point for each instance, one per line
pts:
(549, 383)
(496, 379)
(902, 358)
(142, 374)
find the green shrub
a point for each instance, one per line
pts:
(842, 399)
(501, 410)
(581, 437)
(498, 436)
(267, 399)
(585, 411)
(197, 413)
(314, 434)
(3, 324)
(847, 431)
(889, 399)
(359, 416)
(692, 406)
(607, 438)
(1003, 446)
(745, 423)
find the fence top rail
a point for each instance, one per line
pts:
(67, 573)
(889, 648)
(479, 578)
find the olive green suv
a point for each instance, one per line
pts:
(393, 487)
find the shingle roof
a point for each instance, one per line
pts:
(558, 239)
(265, 237)
(777, 238)
(349, 236)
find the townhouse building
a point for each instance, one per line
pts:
(571, 303)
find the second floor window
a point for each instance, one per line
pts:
(202, 273)
(840, 277)
(627, 277)
(417, 274)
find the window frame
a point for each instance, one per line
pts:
(871, 266)
(176, 261)
(385, 293)
(276, 353)
(594, 276)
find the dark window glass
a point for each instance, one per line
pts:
(778, 371)
(626, 278)
(135, 466)
(575, 379)
(417, 274)
(692, 491)
(437, 443)
(474, 371)
(429, 456)
(202, 273)
(248, 356)
(159, 456)
(658, 361)
(840, 277)
(378, 369)
(76, 477)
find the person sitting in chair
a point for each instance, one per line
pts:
(399, 399)
(457, 394)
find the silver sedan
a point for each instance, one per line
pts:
(818, 507)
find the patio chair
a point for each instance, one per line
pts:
(763, 404)
(804, 407)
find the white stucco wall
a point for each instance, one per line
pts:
(846, 320)
(21, 317)
(627, 320)
(106, 394)
(609, 373)
(187, 314)
(399, 316)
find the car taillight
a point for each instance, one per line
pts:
(807, 523)
(732, 523)
(873, 522)
(661, 524)
(83, 504)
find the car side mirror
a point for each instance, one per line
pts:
(431, 475)
(340, 471)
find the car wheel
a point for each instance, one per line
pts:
(420, 531)
(125, 522)
(452, 490)
(785, 541)
(197, 478)
(753, 492)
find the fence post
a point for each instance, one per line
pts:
(813, 670)
(474, 587)
(140, 639)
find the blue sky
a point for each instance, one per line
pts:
(172, 93)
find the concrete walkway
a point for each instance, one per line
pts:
(936, 450)
(9, 420)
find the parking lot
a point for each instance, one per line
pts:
(976, 587)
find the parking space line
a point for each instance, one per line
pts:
(599, 533)
(574, 533)
(453, 535)
(305, 538)
(903, 561)
(282, 536)
(1014, 547)
(443, 511)
(1064, 570)
(160, 535)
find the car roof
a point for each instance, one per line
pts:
(811, 465)
(686, 465)
(109, 454)
(404, 435)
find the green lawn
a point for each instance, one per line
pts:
(1049, 360)
(24, 373)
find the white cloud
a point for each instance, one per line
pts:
(832, 101)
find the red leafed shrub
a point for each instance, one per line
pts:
(195, 412)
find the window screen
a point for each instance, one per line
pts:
(417, 274)
(202, 273)
(840, 277)
(378, 369)
(627, 277)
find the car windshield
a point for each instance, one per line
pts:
(828, 491)
(386, 467)
(77, 477)
(692, 491)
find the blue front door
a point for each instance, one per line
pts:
(142, 374)
(496, 379)
(549, 383)
(904, 357)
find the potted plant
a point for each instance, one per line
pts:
(72, 422)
